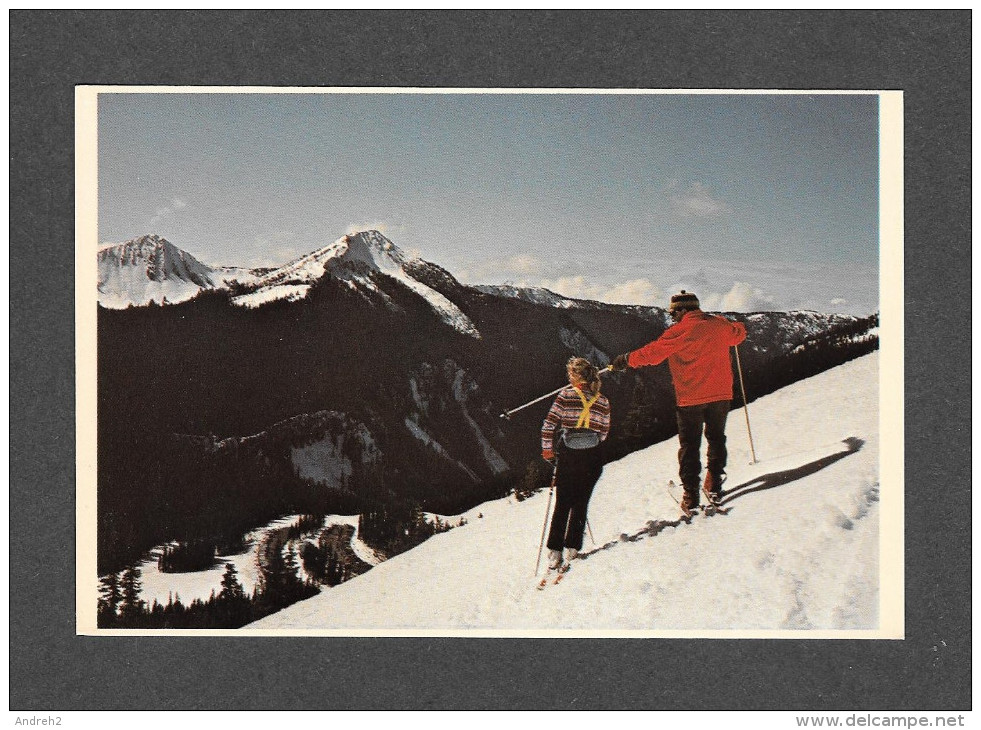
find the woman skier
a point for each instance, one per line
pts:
(576, 424)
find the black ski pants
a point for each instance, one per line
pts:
(577, 474)
(691, 421)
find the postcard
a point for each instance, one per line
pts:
(489, 362)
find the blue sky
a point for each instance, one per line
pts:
(753, 201)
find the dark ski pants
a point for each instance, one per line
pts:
(577, 474)
(691, 421)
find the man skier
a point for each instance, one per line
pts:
(696, 347)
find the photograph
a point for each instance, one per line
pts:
(484, 362)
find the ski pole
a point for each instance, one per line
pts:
(548, 508)
(507, 414)
(590, 532)
(742, 386)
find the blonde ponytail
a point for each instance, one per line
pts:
(585, 373)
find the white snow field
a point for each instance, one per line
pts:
(797, 554)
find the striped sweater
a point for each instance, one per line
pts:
(566, 411)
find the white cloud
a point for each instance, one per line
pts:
(167, 210)
(721, 286)
(570, 286)
(523, 264)
(695, 201)
(743, 297)
(159, 215)
(636, 291)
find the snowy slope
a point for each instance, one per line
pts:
(798, 551)
(533, 294)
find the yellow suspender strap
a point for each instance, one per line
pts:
(583, 421)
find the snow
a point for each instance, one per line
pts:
(416, 430)
(578, 343)
(380, 253)
(360, 549)
(161, 587)
(149, 269)
(228, 275)
(266, 294)
(798, 553)
(494, 460)
(323, 462)
(447, 310)
(136, 290)
(535, 295)
(348, 259)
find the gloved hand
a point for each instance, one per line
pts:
(619, 363)
(548, 455)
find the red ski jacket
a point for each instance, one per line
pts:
(697, 351)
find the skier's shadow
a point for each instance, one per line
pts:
(779, 478)
(759, 484)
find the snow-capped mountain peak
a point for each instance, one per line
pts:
(373, 249)
(150, 269)
(356, 260)
(368, 249)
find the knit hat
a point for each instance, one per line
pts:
(684, 300)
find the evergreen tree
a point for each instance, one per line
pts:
(231, 589)
(333, 569)
(110, 595)
(132, 606)
(291, 569)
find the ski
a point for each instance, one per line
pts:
(713, 506)
(714, 499)
(554, 576)
(686, 514)
(563, 569)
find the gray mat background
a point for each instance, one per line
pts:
(925, 54)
